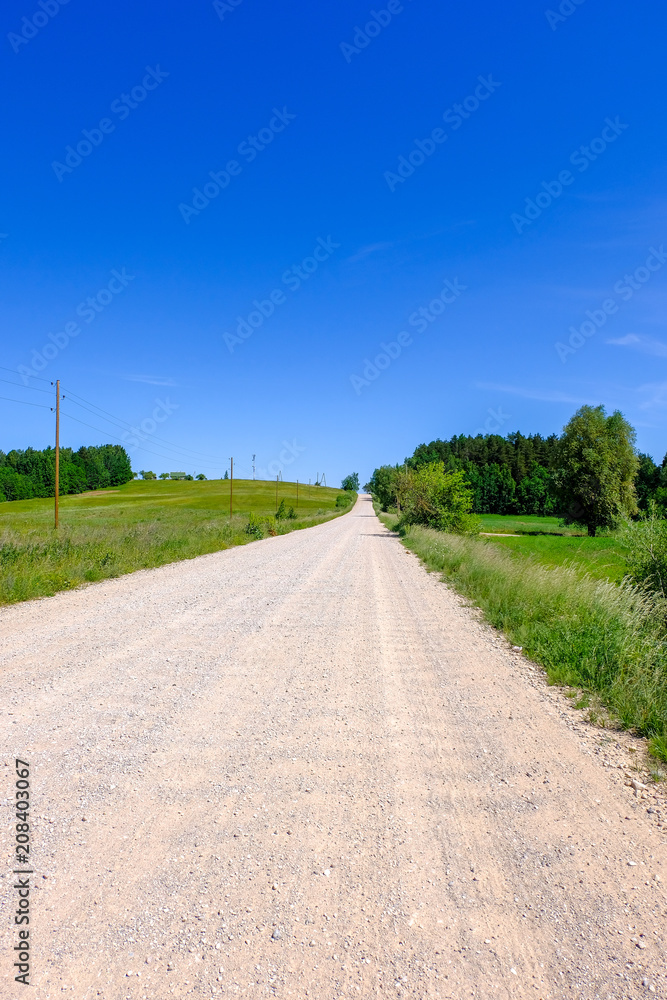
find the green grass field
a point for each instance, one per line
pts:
(543, 540)
(137, 526)
(526, 524)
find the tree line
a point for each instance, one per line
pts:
(29, 473)
(589, 469)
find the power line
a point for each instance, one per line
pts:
(165, 458)
(14, 372)
(25, 402)
(120, 422)
(43, 406)
(185, 456)
(30, 388)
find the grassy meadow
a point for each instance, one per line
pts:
(562, 597)
(526, 524)
(143, 524)
(543, 540)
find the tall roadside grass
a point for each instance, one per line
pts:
(608, 638)
(36, 562)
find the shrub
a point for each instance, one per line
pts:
(436, 499)
(254, 527)
(282, 511)
(645, 542)
(291, 514)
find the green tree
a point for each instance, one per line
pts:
(648, 480)
(596, 469)
(436, 498)
(496, 488)
(659, 498)
(382, 486)
(117, 462)
(534, 493)
(351, 482)
(506, 491)
(147, 474)
(72, 478)
(200, 476)
(164, 475)
(14, 485)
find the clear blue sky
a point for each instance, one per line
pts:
(340, 151)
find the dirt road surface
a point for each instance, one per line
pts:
(302, 768)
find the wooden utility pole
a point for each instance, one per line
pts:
(276, 492)
(231, 489)
(57, 491)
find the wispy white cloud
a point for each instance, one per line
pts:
(630, 338)
(420, 237)
(150, 379)
(543, 395)
(647, 345)
(656, 396)
(364, 252)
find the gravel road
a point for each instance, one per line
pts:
(303, 768)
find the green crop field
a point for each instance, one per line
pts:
(140, 525)
(544, 541)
